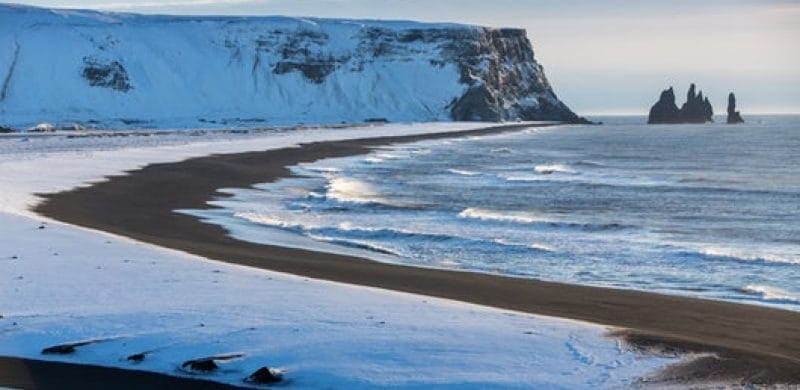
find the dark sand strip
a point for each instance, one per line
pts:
(140, 205)
(37, 374)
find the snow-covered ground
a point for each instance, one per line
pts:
(61, 284)
(102, 69)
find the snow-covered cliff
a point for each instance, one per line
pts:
(128, 70)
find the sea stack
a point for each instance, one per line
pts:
(734, 116)
(697, 108)
(665, 110)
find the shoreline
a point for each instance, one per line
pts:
(141, 205)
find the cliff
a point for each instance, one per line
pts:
(696, 109)
(127, 70)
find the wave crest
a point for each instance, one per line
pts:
(273, 220)
(549, 169)
(501, 216)
(737, 254)
(769, 293)
(344, 189)
(463, 172)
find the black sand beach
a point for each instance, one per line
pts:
(756, 344)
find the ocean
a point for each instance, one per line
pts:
(710, 211)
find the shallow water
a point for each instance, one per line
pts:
(701, 210)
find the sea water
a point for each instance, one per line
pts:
(710, 211)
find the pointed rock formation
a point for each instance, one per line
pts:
(697, 108)
(665, 110)
(734, 116)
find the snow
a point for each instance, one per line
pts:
(219, 69)
(62, 284)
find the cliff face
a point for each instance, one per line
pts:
(159, 71)
(505, 80)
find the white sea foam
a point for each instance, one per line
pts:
(345, 189)
(735, 253)
(324, 169)
(522, 177)
(389, 156)
(273, 220)
(536, 246)
(547, 169)
(358, 244)
(770, 293)
(463, 172)
(542, 247)
(502, 216)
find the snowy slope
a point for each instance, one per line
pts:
(126, 70)
(64, 284)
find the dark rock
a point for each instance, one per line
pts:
(208, 364)
(65, 349)
(136, 358)
(697, 108)
(477, 104)
(200, 365)
(505, 80)
(106, 75)
(4, 129)
(734, 116)
(665, 110)
(265, 375)
(376, 120)
(315, 71)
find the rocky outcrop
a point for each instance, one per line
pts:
(665, 110)
(505, 81)
(264, 376)
(734, 116)
(696, 109)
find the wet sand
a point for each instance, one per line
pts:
(140, 205)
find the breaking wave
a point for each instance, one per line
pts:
(532, 218)
(502, 216)
(357, 244)
(463, 172)
(534, 246)
(272, 220)
(770, 293)
(549, 169)
(344, 189)
(741, 255)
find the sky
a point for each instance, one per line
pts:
(603, 56)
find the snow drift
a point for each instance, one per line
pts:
(114, 69)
